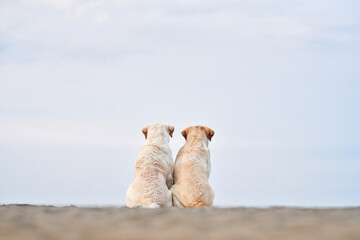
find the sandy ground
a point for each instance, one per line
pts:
(52, 223)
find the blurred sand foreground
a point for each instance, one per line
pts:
(52, 223)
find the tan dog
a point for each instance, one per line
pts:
(153, 170)
(192, 169)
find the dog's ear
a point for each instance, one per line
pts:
(210, 133)
(171, 130)
(145, 131)
(184, 133)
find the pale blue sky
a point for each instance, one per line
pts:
(278, 81)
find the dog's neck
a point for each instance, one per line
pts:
(196, 141)
(158, 140)
(201, 143)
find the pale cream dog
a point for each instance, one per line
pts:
(153, 170)
(192, 170)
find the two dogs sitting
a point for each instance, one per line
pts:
(161, 183)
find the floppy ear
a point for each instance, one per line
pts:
(184, 133)
(210, 133)
(171, 130)
(144, 130)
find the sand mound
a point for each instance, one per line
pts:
(52, 223)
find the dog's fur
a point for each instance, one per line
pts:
(153, 170)
(192, 170)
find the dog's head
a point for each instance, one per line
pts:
(158, 130)
(198, 132)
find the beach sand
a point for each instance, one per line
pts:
(22, 222)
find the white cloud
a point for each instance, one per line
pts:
(141, 25)
(59, 5)
(102, 17)
(230, 142)
(54, 133)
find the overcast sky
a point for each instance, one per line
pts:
(278, 81)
